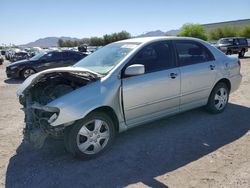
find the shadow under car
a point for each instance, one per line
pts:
(138, 155)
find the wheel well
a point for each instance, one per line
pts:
(21, 71)
(226, 81)
(109, 111)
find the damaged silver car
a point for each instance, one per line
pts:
(122, 85)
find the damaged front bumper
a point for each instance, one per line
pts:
(39, 90)
(37, 123)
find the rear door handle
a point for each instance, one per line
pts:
(212, 67)
(173, 75)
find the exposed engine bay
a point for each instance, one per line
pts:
(44, 90)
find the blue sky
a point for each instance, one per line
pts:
(24, 21)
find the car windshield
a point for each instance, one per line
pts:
(38, 56)
(106, 58)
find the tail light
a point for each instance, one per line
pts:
(239, 63)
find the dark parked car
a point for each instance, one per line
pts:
(1, 59)
(235, 45)
(42, 61)
(3, 52)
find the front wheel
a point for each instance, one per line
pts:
(27, 72)
(91, 136)
(218, 98)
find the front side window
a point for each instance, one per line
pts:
(242, 41)
(192, 53)
(71, 55)
(155, 57)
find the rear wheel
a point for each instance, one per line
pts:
(27, 72)
(218, 98)
(242, 53)
(229, 52)
(91, 136)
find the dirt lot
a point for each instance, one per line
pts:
(193, 149)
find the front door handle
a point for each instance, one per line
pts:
(212, 67)
(173, 75)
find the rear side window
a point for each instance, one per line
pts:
(52, 56)
(243, 41)
(155, 57)
(71, 55)
(192, 53)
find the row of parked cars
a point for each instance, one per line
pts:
(31, 60)
(24, 63)
(42, 61)
(1, 59)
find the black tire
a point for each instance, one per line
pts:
(72, 136)
(229, 52)
(66, 138)
(23, 75)
(212, 102)
(242, 53)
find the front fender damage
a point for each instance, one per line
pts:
(39, 116)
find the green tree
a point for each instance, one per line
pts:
(96, 41)
(108, 39)
(193, 30)
(123, 35)
(222, 32)
(245, 32)
(60, 43)
(84, 41)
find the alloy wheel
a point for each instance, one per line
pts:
(28, 72)
(93, 136)
(220, 99)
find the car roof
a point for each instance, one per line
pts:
(234, 38)
(60, 51)
(152, 39)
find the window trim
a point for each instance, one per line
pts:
(193, 42)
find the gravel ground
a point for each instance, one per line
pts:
(192, 149)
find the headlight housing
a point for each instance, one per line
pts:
(12, 67)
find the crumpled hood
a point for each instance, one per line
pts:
(33, 78)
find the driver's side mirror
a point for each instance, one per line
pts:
(134, 70)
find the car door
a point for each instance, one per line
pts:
(155, 93)
(198, 73)
(236, 46)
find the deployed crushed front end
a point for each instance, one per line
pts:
(39, 90)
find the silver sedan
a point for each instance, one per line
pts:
(122, 85)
